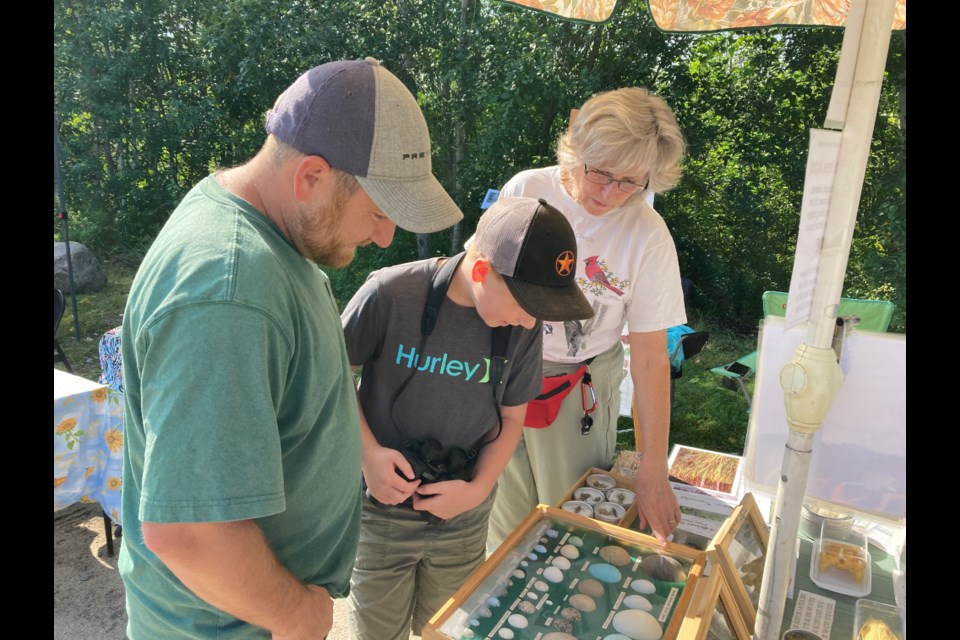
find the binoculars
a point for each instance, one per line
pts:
(429, 464)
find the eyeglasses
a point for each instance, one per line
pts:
(600, 177)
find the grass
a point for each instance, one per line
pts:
(704, 414)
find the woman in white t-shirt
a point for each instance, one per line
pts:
(623, 146)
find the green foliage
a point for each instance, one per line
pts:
(151, 95)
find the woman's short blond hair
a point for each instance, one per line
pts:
(627, 131)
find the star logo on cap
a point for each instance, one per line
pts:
(564, 262)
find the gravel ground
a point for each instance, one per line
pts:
(87, 590)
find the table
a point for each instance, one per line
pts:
(87, 444)
(883, 567)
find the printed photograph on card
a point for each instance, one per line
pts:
(710, 470)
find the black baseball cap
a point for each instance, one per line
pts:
(532, 246)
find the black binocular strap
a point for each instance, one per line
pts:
(500, 340)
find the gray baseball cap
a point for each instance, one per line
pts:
(533, 247)
(365, 122)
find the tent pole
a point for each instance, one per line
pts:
(810, 381)
(62, 215)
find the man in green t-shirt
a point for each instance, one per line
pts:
(241, 480)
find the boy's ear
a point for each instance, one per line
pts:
(480, 270)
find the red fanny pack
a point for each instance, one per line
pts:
(543, 410)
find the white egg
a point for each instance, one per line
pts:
(505, 633)
(638, 625)
(637, 602)
(518, 621)
(561, 563)
(553, 574)
(643, 586)
(570, 551)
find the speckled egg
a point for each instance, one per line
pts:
(553, 574)
(564, 626)
(526, 606)
(554, 635)
(643, 586)
(605, 572)
(637, 602)
(552, 533)
(637, 625)
(517, 573)
(571, 614)
(493, 602)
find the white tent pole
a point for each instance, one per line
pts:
(810, 381)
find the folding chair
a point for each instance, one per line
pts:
(58, 307)
(868, 315)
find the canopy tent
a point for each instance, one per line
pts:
(717, 15)
(811, 380)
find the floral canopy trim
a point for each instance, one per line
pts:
(717, 15)
(713, 15)
(577, 10)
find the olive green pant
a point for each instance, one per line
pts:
(547, 462)
(406, 568)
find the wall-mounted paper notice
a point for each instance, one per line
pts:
(817, 187)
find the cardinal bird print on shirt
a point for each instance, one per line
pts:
(598, 278)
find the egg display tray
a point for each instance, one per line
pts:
(622, 482)
(562, 576)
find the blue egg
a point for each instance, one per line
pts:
(605, 572)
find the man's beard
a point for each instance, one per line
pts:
(320, 233)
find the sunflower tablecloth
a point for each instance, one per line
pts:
(87, 443)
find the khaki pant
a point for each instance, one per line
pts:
(406, 569)
(547, 462)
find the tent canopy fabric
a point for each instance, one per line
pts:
(716, 15)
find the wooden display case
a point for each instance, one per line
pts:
(741, 544)
(713, 612)
(623, 482)
(564, 576)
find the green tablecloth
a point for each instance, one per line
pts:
(882, 590)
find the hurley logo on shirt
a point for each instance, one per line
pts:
(443, 365)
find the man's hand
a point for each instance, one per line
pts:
(382, 470)
(449, 498)
(656, 502)
(313, 617)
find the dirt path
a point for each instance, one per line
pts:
(87, 590)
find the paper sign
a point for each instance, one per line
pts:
(813, 613)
